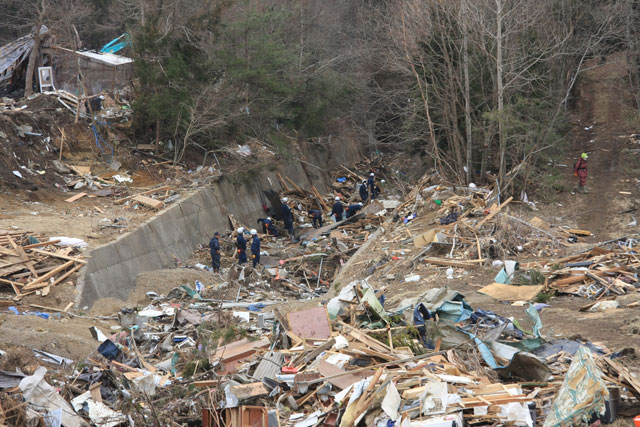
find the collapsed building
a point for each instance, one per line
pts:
(82, 73)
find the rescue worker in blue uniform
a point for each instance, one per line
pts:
(337, 209)
(352, 209)
(268, 227)
(214, 245)
(364, 192)
(316, 218)
(255, 248)
(241, 244)
(287, 216)
(373, 188)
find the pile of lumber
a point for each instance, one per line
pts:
(595, 274)
(29, 266)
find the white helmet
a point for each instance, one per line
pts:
(269, 218)
(285, 199)
(359, 203)
(372, 174)
(253, 232)
(337, 199)
(240, 230)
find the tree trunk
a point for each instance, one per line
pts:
(157, 148)
(28, 81)
(499, 65)
(467, 91)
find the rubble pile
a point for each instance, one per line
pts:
(436, 361)
(30, 266)
(600, 274)
(320, 335)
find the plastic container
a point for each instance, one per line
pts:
(636, 421)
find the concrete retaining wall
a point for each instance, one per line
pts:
(174, 233)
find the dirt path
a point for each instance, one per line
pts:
(602, 114)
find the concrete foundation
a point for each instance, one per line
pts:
(174, 233)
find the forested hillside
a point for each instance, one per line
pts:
(474, 87)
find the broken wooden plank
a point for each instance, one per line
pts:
(76, 197)
(23, 255)
(55, 255)
(206, 383)
(37, 245)
(44, 307)
(148, 201)
(493, 213)
(33, 285)
(569, 280)
(144, 193)
(453, 262)
(578, 232)
(67, 274)
(80, 170)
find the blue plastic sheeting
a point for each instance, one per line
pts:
(420, 315)
(109, 350)
(454, 311)
(99, 138)
(535, 318)
(485, 352)
(566, 346)
(30, 313)
(116, 44)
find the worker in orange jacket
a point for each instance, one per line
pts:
(580, 170)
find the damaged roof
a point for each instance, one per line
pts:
(14, 53)
(105, 58)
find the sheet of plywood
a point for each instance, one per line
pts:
(238, 349)
(504, 292)
(326, 369)
(311, 323)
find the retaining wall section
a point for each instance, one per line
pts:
(174, 233)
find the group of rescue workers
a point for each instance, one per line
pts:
(369, 190)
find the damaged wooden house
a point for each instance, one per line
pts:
(81, 73)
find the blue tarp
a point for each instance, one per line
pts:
(116, 44)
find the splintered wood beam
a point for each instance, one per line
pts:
(298, 189)
(282, 182)
(493, 213)
(320, 200)
(55, 255)
(24, 257)
(34, 284)
(37, 245)
(144, 193)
